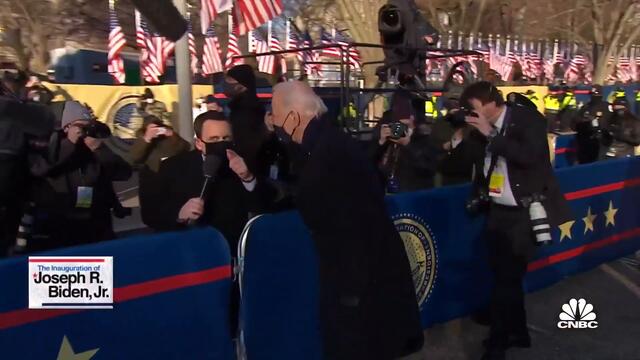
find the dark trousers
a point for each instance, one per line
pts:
(9, 220)
(511, 244)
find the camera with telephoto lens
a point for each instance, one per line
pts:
(398, 130)
(539, 220)
(95, 129)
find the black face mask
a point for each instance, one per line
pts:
(282, 135)
(232, 91)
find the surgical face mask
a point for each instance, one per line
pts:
(150, 101)
(280, 132)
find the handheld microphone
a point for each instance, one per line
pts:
(210, 167)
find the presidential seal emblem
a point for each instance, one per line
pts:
(421, 251)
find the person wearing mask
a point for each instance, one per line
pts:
(622, 132)
(587, 125)
(368, 307)
(552, 107)
(148, 105)
(155, 143)
(406, 162)
(231, 195)
(514, 177)
(246, 116)
(22, 124)
(73, 193)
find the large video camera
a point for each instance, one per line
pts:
(406, 34)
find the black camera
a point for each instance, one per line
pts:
(458, 117)
(398, 130)
(95, 129)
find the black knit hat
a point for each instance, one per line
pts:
(244, 75)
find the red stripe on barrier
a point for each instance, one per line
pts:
(580, 194)
(65, 260)
(260, 96)
(136, 291)
(570, 254)
(564, 150)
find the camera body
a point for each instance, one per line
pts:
(95, 129)
(457, 119)
(398, 130)
(479, 203)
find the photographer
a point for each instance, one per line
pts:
(516, 186)
(403, 155)
(148, 105)
(456, 161)
(73, 193)
(22, 126)
(155, 143)
(587, 125)
(621, 132)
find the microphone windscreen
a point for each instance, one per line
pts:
(211, 165)
(163, 16)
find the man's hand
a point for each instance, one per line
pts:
(191, 210)
(385, 133)
(153, 131)
(481, 123)
(238, 166)
(92, 143)
(74, 133)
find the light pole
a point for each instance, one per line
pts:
(183, 72)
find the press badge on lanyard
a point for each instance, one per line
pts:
(496, 184)
(85, 197)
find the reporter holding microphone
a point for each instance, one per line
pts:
(210, 185)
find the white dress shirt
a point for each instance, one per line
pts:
(506, 197)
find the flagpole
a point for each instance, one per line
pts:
(183, 72)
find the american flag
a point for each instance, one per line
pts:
(266, 63)
(311, 56)
(276, 46)
(193, 49)
(117, 41)
(209, 9)
(535, 64)
(148, 62)
(624, 69)
(327, 39)
(576, 66)
(233, 47)
(250, 14)
(212, 56)
(294, 41)
(354, 58)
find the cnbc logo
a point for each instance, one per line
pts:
(577, 314)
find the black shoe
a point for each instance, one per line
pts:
(514, 341)
(494, 354)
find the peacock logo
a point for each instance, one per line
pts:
(577, 314)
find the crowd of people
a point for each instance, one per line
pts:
(57, 189)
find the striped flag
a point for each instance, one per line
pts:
(193, 49)
(233, 47)
(148, 68)
(294, 42)
(250, 14)
(117, 42)
(327, 39)
(212, 55)
(354, 59)
(266, 63)
(209, 9)
(576, 66)
(310, 56)
(276, 46)
(624, 69)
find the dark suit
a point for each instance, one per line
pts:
(227, 202)
(367, 297)
(510, 237)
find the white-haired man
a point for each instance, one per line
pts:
(368, 307)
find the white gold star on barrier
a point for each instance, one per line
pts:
(588, 221)
(565, 230)
(610, 214)
(66, 352)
